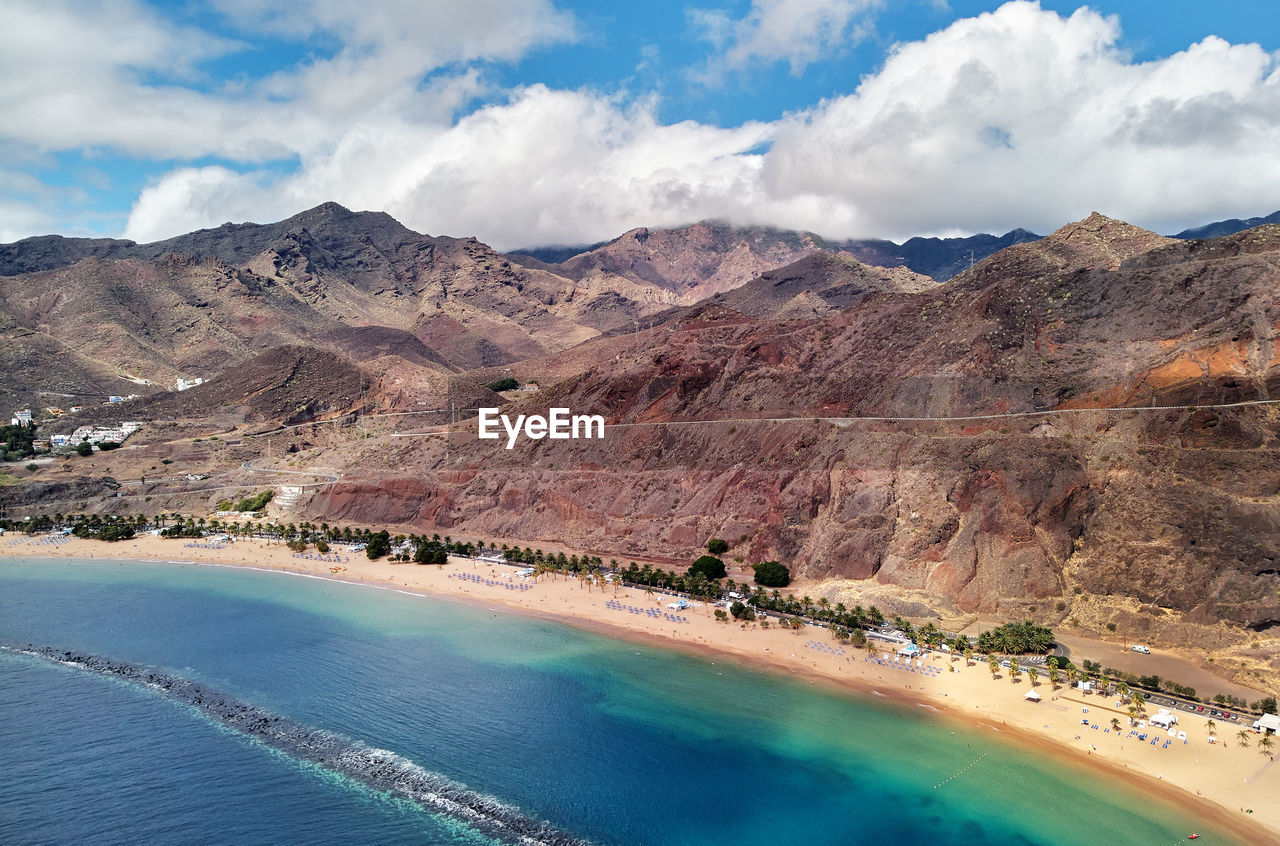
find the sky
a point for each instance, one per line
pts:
(540, 122)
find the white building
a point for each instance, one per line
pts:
(98, 434)
(186, 384)
(1268, 723)
(22, 417)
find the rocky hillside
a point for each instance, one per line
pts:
(286, 384)
(711, 257)
(693, 262)
(727, 426)
(83, 318)
(817, 285)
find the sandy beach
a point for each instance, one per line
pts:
(1223, 779)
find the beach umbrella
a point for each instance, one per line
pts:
(1032, 695)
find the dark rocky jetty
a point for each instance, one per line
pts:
(376, 768)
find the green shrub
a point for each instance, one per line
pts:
(256, 502)
(772, 574)
(504, 384)
(708, 567)
(115, 532)
(378, 545)
(717, 546)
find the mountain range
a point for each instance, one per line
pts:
(1042, 430)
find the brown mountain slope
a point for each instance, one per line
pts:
(286, 384)
(157, 319)
(352, 268)
(1177, 509)
(816, 286)
(693, 262)
(1096, 243)
(82, 329)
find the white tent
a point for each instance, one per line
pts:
(1032, 695)
(1164, 719)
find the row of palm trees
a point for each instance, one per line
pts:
(1011, 638)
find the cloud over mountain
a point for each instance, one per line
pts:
(1017, 117)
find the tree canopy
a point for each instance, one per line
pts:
(378, 545)
(772, 574)
(717, 546)
(431, 552)
(1017, 639)
(708, 567)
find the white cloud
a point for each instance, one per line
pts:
(20, 219)
(114, 74)
(1023, 117)
(548, 166)
(191, 198)
(441, 31)
(1019, 117)
(798, 32)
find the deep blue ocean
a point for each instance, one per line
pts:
(607, 740)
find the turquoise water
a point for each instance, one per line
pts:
(606, 740)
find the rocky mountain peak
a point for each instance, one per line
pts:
(1100, 242)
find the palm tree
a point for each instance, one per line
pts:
(1133, 714)
(968, 657)
(1243, 737)
(1014, 670)
(994, 665)
(1264, 746)
(1053, 675)
(1211, 726)
(1115, 724)
(1033, 674)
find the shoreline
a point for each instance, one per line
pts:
(1207, 776)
